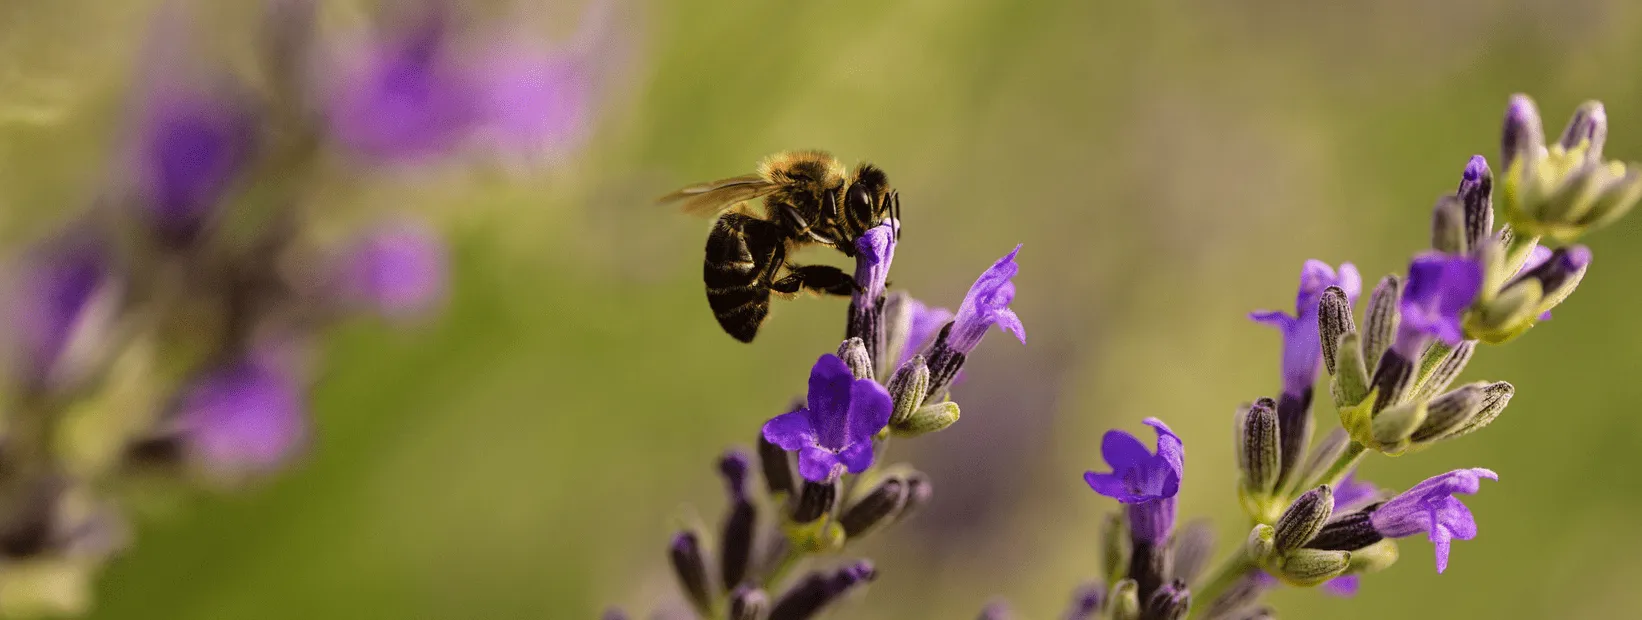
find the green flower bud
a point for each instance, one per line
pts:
(1303, 519)
(1114, 536)
(1374, 558)
(907, 389)
(1447, 368)
(1125, 602)
(1310, 567)
(1381, 318)
(1495, 397)
(1450, 411)
(1261, 545)
(1259, 449)
(1392, 427)
(927, 419)
(855, 355)
(1448, 225)
(1350, 385)
(1333, 319)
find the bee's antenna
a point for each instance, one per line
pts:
(895, 211)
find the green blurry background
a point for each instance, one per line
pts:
(1168, 164)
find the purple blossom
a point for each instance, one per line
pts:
(406, 95)
(1439, 289)
(1353, 493)
(189, 145)
(245, 417)
(397, 270)
(51, 302)
(1431, 508)
(987, 304)
(537, 101)
(834, 431)
(1147, 482)
(875, 250)
(1302, 349)
(926, 322)
(1345, 586)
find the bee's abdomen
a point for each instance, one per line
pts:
(742, 252)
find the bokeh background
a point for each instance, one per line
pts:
(1168, 165)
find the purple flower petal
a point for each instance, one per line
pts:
(190, 144)
(926, 322)
(1439, 289)
(829, 398)
(1346, 586)
(1430, 507)
(987, 304)
(1139, 476)
(405, 96)
(1302, 349)
(56, 285)
(537, 101)
(242, 418)
(857, 457)
(869, 410)
(397, 270)
(818, 464)
(791, 430)
(1353, 493)
(1122, 450)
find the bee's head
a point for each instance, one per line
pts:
(867, 200)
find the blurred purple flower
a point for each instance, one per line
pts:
(241, 418)
(926, 322)
(987, 304)
(537, 101)
(1353, 493)
(1302, 350)
(406, 95)
(834, 431)
(1345, 586)
(1147, 482)
(1431, 508)
(1439, 289)
(397, 270)
(51, 302)
(189, 145)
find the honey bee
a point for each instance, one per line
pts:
(808, 198)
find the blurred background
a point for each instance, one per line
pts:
(1168, 165)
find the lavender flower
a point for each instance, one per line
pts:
(405, 96)
(1147, 482)
(1440, 288)
(1430, 507)
(190, 145)
(245, 417)
(1302, 350)
(874, 251)
(52, 301)
(834, 431)
(1352, 493)
(537, 101)
(1343, 586)
(926, 322)
(987, 304)
(397, 270)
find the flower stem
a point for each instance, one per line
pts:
(1222, 577)
(1337, 471)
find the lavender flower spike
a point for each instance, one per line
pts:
(834, 431)
(1145, 481)
(51, 303)
(1440, 288)
(874, 252)
(987, 304)
(404, 96)
(1302, 350)
(1431, 507)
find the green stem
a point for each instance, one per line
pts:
(1337, 470)
(1223, 577)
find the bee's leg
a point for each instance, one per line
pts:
(823, 279)
(800, 226)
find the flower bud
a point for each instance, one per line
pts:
(1617, 199)
(919, 492)
(928, 419)
(1587, 129)
(1374, 558)
(1444, 373)
(1350, 384)
(880, 505)
(1392, 427)
(748, 603)
(1450, 411)
(1380, 321)
(1448, 233)
(1523, 137)
(815, 499)
(1192, 546)
(777, 468)
(1333, 319)
(1476, 193)
(855, 355)
(907, 389)
(1259, 450)
(1495, 397)
(1086, 601)
(1125, 601)
(1392, 379)
(1171, 602)
(1260, 546)
(1114, 545)
(690, 566)
(1303, 519)
(1309, 567)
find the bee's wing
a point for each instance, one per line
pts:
(717, 196)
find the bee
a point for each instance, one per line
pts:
(809, 198)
